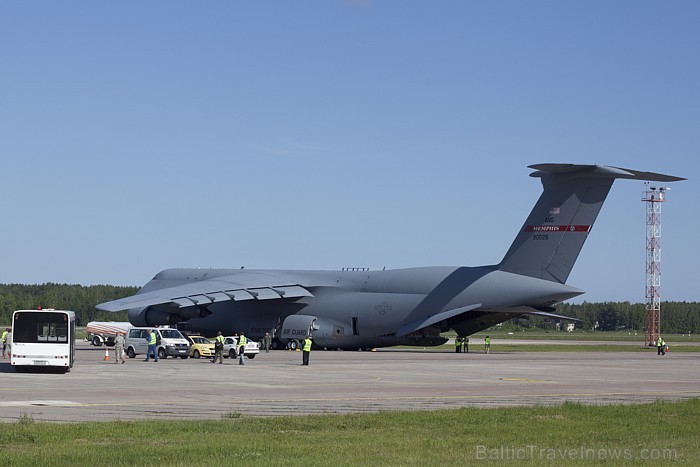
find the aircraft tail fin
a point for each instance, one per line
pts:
(551, 239)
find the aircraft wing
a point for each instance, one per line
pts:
(204, 293)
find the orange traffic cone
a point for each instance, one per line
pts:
(106, 353)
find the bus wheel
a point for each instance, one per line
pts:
(130, 352)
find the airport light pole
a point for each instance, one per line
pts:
(653, 197)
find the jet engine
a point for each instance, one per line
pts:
(147, 316)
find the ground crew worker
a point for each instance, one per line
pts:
(458, 344)
(119, 348)
(218, 348)
(487, 344)
(306, 351)
(151, 338)
(661, 346)
(242, 341)
(4, 341)
(7, 349)
(267, 342)
(466, 344)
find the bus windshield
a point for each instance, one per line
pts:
(37, 327)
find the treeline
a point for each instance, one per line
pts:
(78, 298)
(676, 317)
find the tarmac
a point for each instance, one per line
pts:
(275, 384)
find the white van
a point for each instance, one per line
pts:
(169, 342)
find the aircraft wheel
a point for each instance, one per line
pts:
(195, 354)
(130, 352)
(293, 344)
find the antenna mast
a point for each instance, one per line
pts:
(653, 197)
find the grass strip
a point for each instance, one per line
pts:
(568, 434)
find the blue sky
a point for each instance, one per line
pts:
(137, 136)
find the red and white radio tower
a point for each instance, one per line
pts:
(653, 197)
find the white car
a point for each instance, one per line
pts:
(252, 348)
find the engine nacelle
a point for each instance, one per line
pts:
(147, 316)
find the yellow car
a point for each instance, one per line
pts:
(201, 347)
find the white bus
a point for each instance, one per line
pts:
(43, 338)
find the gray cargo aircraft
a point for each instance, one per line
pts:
(360, 309)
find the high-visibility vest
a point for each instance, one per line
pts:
(487, 341)
(4, 335)
(152, 338)
(458, 341)
(307, 345)
(242, 341)
(220, 339)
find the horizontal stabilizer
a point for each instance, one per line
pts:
(430, 320)
(526, 310)
(602, 171)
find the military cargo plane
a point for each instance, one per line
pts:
(361, 309)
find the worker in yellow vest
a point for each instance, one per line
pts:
(218, 348)
(4, 341)
(458, 344)
(152, 340)
(306, 351)
(242, 341)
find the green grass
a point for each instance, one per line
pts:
(505, 347)
(579, 335)
(559, 435)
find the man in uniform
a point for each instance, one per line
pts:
(458, 344)
(218, 348)
(267, 342)
(487, 344)
(7, 347)
(306, 351)
(466, 344)
(119, 348)
(242, 341)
